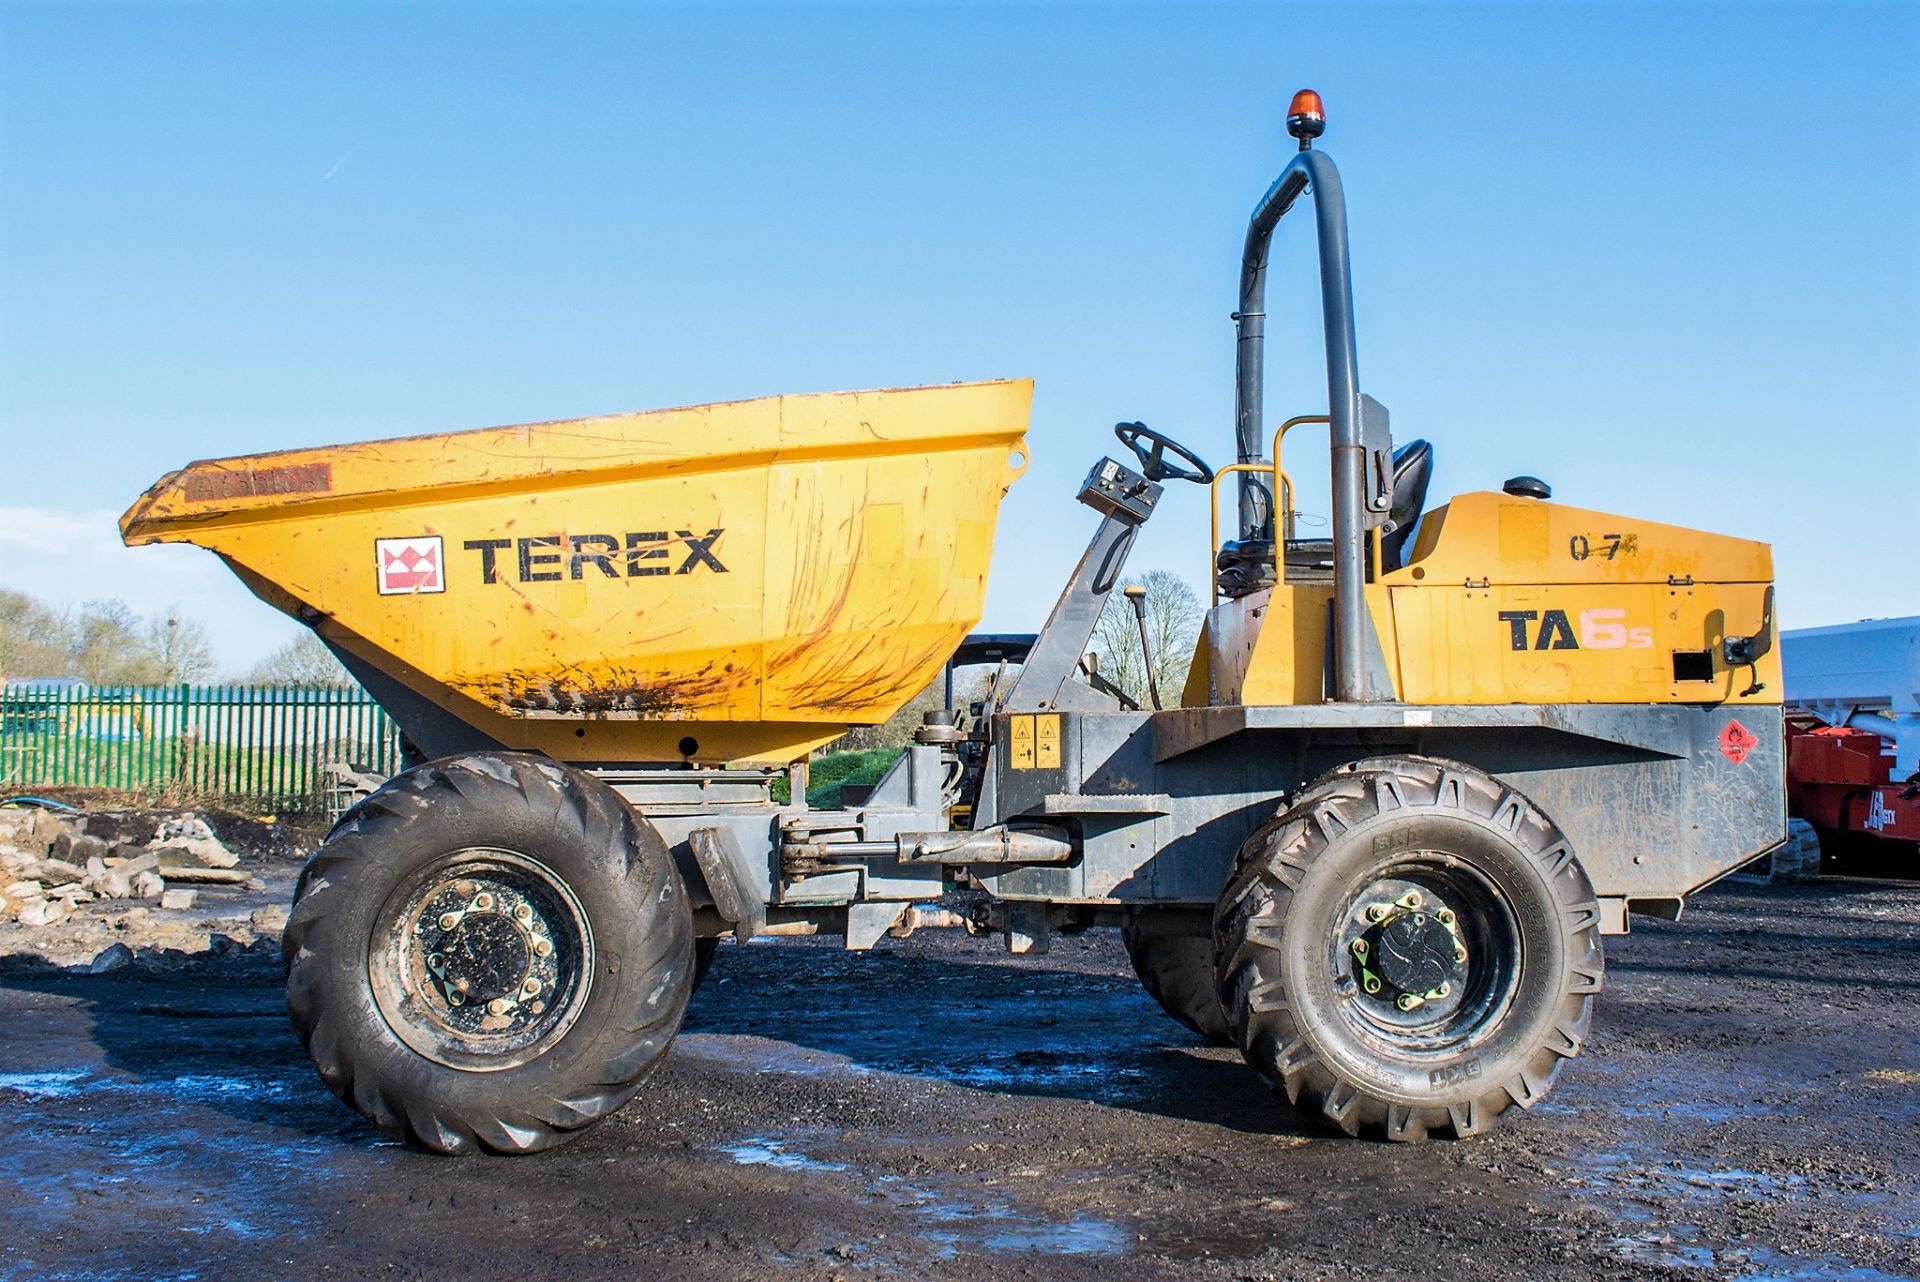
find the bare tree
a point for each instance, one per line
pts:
(33, 639)
(108, 646)
(178, 649)
(101, 642)
(303, 661)
(1173, 628)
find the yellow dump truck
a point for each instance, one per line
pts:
(1417, 771)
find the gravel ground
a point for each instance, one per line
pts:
(1747, 1107)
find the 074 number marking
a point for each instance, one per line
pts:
(1609, 545)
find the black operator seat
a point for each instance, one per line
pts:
(1412, 470)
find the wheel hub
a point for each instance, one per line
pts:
(1413, 953)
(488, 954)
(1409, 952)
(488, 958)
(484, 956)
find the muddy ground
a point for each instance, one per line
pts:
(1748, 1106)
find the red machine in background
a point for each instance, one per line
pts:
(1853, 749)
(1841, 781)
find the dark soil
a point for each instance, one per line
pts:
(1748, 1106)
(122, 818)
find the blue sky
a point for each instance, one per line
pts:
(1662, 255)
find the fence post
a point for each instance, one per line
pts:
(182, 744)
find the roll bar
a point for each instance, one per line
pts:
(1357, 505)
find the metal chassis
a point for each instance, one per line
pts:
(1159, 803)
(1146, 812)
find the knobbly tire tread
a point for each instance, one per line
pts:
(1277, 860)
(1797, 861)
(1177, 972)
(644, 944)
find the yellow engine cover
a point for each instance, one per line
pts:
(1512, 600)
(756, 576)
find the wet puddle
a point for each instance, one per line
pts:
(1676, 1206)
(757, 1151)
(1620, 1170)
(71, 1082)
(87, 1140)
(1046, 1072)
(56, 1085)
(1658, 1200)
(1092, 1073)
(1673, 1250)
(953, 1222)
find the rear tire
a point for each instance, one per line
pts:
(489, 954)
(703, 952)
(1410, 948)
(1177, 972)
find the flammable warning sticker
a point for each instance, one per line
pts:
(1736, 741)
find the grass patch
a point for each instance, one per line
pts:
(832, 769)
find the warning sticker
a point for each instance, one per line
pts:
(410, 565)
(1736, 741)
(1020, 742)
(1046, 741)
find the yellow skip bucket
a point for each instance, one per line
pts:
(741, 581)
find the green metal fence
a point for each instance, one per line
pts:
(269, 745)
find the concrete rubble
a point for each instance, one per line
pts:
(52, 864)
(73, 880)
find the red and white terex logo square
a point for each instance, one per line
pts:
(410, 565)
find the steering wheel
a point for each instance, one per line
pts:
(1153, 461)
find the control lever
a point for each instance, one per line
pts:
(1137, 595)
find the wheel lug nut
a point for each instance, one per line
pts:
(1376, 911)
(1359, 947)
(531, 987)
(1446, 916)
(498, 1006)
(461, 985)
(482, 902)
(1412, 899)
(1406, 1001)
(449, 920)
(1459, 954)
(1371, 983)
(455, 999)
(522, 914)
(542, 947)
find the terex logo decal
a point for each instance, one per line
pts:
(1600, 629)
(410, 565)
(550, 558)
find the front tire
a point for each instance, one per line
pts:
(489, 954)
(1410, 948)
